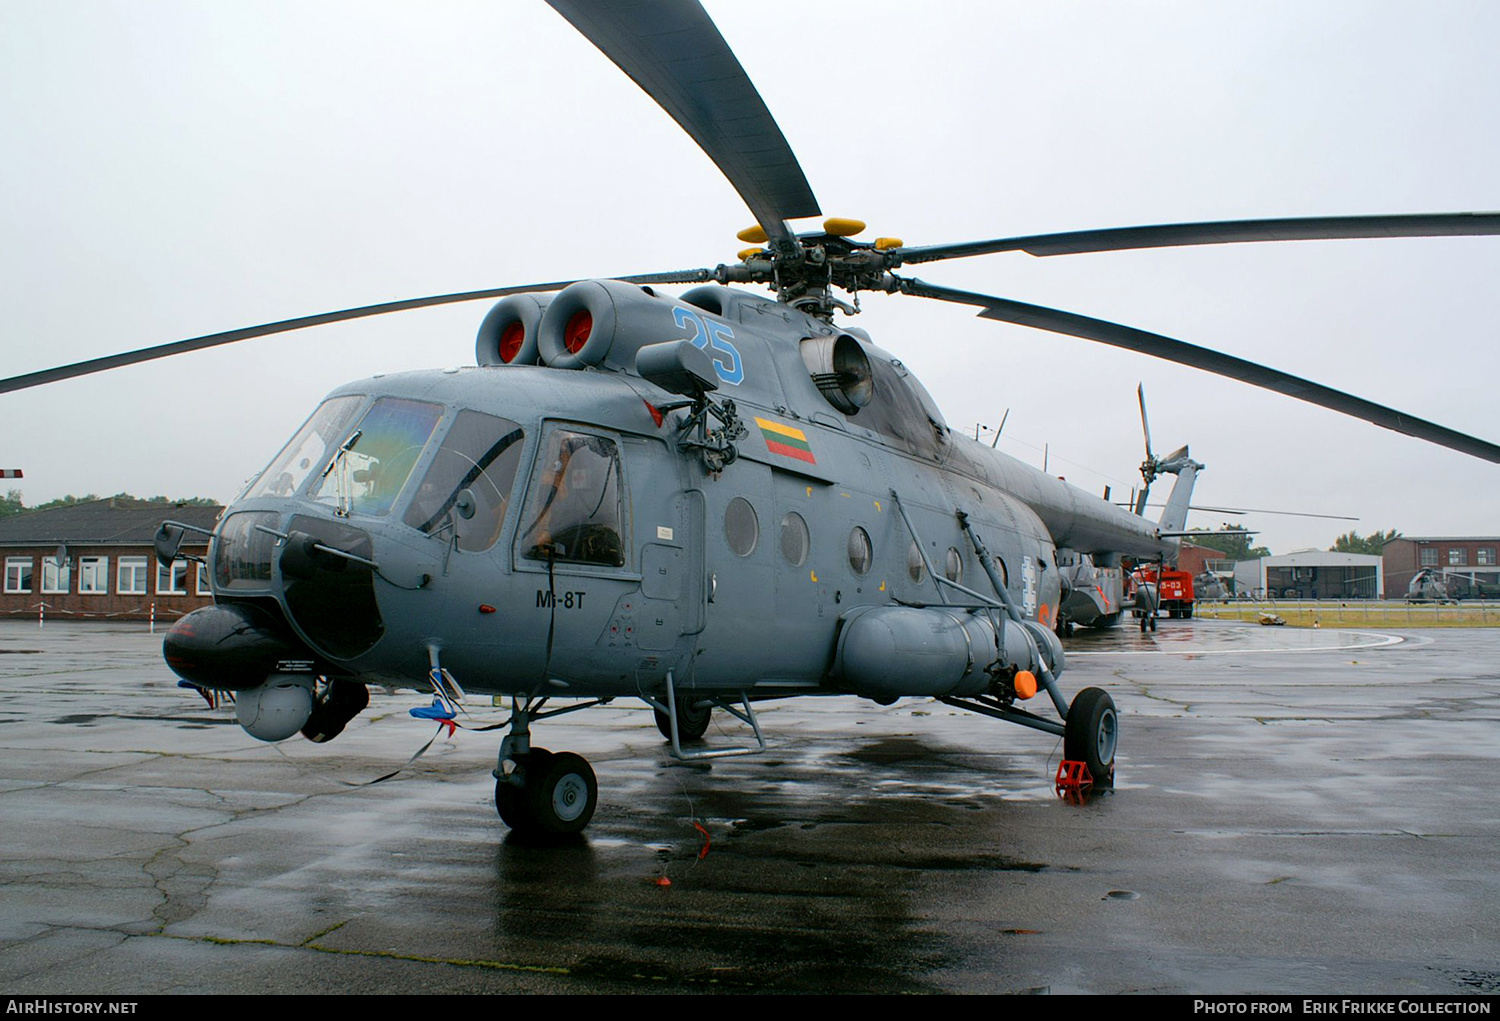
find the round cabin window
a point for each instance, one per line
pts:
(861, 554)
(953, 569)
(741, 527)
(795, 542)
(914, 565)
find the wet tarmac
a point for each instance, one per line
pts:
(1297, 811)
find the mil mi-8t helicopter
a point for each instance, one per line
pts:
(701, 501)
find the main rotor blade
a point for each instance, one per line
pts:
(1167, 235)
(1154, 344)
(177, 347)
(674, 52)
(1260, 510)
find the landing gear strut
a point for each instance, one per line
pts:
(541, 792)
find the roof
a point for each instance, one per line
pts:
(1445, 538)
(1322, 558)
(113, 520)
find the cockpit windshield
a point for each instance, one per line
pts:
(467, 486)
(309, 451)
(368, 470)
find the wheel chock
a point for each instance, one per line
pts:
(1073, 776)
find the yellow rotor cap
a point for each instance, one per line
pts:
(746, 254)
(886, 244)
(841, 227)
(755, 235)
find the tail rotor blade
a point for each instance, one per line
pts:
(1140, 394)
(996, 441)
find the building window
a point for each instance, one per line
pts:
(1485, 556)
(18, 574)
(1429, 557)
(172, 581)
(56, 577)
(93, 574)
(132, 580)
(205, 588)
(1458, 557)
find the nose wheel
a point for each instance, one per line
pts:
(549, 793)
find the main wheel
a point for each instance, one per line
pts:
(1091, 732)
(563, 794)
(692, 720)
(511, 800)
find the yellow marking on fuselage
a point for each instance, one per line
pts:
(785, 430)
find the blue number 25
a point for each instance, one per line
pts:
(713, 338)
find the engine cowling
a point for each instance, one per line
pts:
(509, 333)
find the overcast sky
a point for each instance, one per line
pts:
(175, 169)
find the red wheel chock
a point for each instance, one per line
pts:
(1072, 777)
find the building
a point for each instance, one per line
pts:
(96, 561)
(1469, 564)
(1312, 574)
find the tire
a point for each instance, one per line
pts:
(1091, 733)
(512, 802)
(692, 721)
(563, 794)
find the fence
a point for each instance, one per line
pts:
(1358, 612)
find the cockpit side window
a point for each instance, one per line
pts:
(309, 451)
(369, 469)
(575, 513)
(468, 485)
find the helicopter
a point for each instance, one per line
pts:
(700, 501)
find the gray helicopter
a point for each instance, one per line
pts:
(701, 501)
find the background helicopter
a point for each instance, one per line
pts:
(988, 290)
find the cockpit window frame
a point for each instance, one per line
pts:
(348, 504)
(532, 465)
(352, 413)
(465, 540)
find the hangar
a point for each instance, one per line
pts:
(1312, 574)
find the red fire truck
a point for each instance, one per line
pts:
(1174, 589)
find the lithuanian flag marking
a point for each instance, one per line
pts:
(786, 441)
